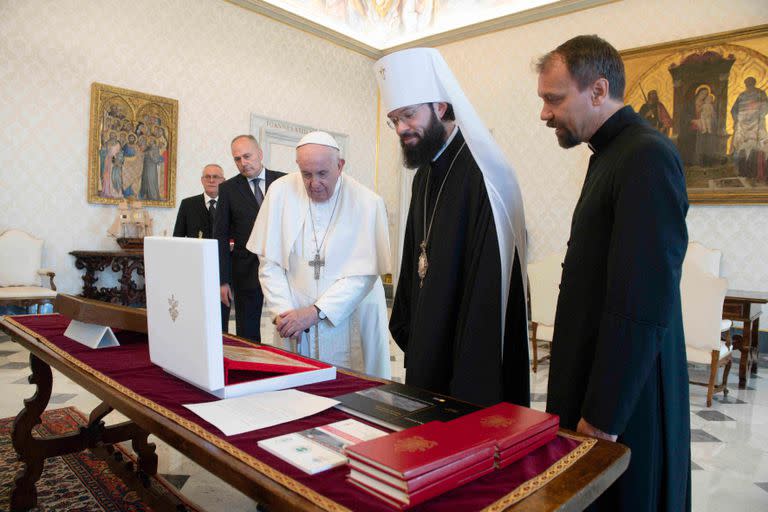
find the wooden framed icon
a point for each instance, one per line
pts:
(132, 147)
(708, 94)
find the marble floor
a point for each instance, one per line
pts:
(729, 448)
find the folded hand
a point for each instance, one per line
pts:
(293, 322)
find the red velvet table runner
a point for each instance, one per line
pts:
(128, 369)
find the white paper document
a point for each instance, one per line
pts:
(245, 413)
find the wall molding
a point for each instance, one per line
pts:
(533, 15)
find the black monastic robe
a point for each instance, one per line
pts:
(618, 353)
(450, 329)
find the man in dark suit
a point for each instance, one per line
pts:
(239, 201)
(196, 216)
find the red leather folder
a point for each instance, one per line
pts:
(510, 455)
(402, 501)
(418, 450)
(416, 483)
(508, 425)
(271, 361)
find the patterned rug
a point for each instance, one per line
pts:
(77, 482)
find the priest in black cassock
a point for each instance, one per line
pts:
(459, 311)
(618, 368)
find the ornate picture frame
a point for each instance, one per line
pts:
(132, 147)
(708, 94)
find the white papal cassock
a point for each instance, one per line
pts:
(349, 290)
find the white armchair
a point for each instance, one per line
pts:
(707, 260)
(543, 287)
(20, 273)
(702, 299)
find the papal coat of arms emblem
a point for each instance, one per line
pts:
(173, 307)
(414, 444)
(496, 421)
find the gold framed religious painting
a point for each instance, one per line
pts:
(132, 147)
(708, 95)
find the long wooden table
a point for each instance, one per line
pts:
(573, 489)
(746, 307)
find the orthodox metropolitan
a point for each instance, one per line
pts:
(322, 241)
(459, 311)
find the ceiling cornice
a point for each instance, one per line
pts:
(477, 29)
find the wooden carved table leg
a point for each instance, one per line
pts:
(33, 451)
(139, 477)
(29, 451)
(145, 451)
(91, 266)
(755, 349)
(129, 293)
(745, 348)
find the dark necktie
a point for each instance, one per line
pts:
(212, 211)
(257, 191)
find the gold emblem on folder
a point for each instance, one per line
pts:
(414, 444)
(496, 421)
(173, 309)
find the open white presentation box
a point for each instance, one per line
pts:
(184, 321)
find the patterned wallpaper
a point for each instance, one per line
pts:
(221, 62)
(497, 74)
(224, 63)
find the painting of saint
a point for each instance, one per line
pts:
(703, 126)
(656, 113)
(135, 134)
(708, 95)
(150, 187)
(111, 149)
(750, 139)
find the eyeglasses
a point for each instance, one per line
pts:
(212, 178)
(406, 117)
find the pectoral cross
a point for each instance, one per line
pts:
(317, 263)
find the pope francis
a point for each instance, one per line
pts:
(322, 242)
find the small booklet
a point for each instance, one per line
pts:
(321, 448)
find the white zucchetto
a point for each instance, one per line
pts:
(321, 138)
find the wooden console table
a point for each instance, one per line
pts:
(746, 307)
(122, 262)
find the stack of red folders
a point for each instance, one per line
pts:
(411, 466)
(408, 467)
(515, 431)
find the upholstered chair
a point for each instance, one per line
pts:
(21, 256)
(703, 295)
(703, 257)
(543, 287)
(707, 260)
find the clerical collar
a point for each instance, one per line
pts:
(612, 127)
(447, 142)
